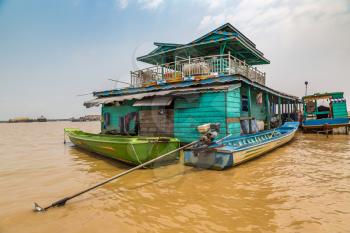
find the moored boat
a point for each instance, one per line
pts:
(235, 150)
(325, 112)
(129, 149)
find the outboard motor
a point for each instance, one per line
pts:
(208, 133)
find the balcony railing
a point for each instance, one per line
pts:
(195, 69)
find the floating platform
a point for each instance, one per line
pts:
(325, 123)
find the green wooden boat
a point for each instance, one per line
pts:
(129, 149)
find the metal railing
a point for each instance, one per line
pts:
(196, 68)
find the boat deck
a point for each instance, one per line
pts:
(116, 138)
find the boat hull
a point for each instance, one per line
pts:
(131, 150)
(219, 158)
(328, 123)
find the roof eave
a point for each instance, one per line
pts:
(256, 52)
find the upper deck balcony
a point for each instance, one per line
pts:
(197, 68)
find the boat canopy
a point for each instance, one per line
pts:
(222, 40)
(318, 96)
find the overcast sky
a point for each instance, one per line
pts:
(52, 51)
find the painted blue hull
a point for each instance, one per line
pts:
(320, 123)
(236, 150)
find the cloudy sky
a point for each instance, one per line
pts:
(52, 51)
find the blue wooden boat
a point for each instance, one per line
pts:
(235, 150)
(324, 112)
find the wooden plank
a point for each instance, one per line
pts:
(279, 110)
(268, 113)
(199, 119)
(199, 114)
(201, 104)
(234, 105)
(232, 120)
(202, 110)
(249, 107)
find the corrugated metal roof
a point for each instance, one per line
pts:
(209, 81)
(207, 44)
(183, 91)
(154, 101)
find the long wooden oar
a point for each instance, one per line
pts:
(63, 201)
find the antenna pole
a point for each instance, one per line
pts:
(117, 81)
(306, 83)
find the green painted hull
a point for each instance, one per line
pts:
(128, 149)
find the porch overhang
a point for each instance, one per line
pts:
(172, 92)
(154, 101)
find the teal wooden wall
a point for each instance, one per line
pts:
(116, 112)
(192, 111)
(258, 110)
(233, 108)
(340, 110)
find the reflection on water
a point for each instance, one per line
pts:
(301, 187)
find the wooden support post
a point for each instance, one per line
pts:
(174, 67)
(226, 122)
(229, 62)
(222, 48)
(163, 63)
(289, 109)
(249, 108)
(316, 110)
(295, 111)
(279, 110)
(267, 106)
(304, 110)
(282, 111)
(285, 107)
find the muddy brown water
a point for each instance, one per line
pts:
(301, 187)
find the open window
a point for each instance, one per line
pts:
(244, 103)
(323, 108)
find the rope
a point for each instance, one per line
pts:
(64, 200)
(137, 157)
(150, 150)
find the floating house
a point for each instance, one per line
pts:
(213, 79)
(324, 112)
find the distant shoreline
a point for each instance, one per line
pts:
(44, 119)
(48, 120)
